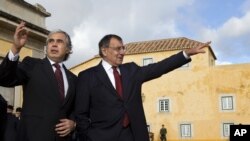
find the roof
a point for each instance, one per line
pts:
(169, 44)
(39, 8)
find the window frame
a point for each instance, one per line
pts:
(225, 104)
(146, 59)
(224, 124)
(189, 133)
(165, 100)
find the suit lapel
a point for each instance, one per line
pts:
(103, 77)
(70, 83)
(48, 70)
(125, 82)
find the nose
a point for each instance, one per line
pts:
(122, 51)
(54, 44)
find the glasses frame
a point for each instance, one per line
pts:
(119, 48)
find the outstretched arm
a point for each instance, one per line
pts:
(198, 49)
(155, 70)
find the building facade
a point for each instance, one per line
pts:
(198, 101)
(11, 13)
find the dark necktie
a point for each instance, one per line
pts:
(59, 78)
(118, 85)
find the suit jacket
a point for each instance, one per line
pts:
(11, 128)
(99, 109)
(3, 116)
(42, 107)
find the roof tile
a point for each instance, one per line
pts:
(160, 45)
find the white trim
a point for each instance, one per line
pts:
(191, 130)
(233, 102)
(144, 58)
(222, 129)
(158, 104)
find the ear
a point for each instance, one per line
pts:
(68, 51)
(104, 51)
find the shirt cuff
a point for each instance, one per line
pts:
(185, 55)
(13, 57)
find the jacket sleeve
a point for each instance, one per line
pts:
(155, 70)
(13, 73)
(82, 105)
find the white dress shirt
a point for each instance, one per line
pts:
(108, 68)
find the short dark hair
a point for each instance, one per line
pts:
(18, 109)
(104, 42)
(10, 107)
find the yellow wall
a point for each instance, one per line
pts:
(5, 48)
(87, 64)
(194, 93)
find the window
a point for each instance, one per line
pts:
(164, 105)
(226, 129)
(147, 61)
(185, 130)
(227, 103)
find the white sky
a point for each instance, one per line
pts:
(225, 23)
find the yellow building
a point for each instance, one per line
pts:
(11, 13)
(198, 101)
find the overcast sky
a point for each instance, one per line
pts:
(225, 22)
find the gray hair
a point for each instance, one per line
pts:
(68, 41)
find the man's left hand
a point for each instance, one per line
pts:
(65, 127)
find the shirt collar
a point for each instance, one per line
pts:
(106, 65)
(52, 62)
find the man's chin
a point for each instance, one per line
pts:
(120, 62)
(54, 58)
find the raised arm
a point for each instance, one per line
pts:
(20, 38)
(9, 66)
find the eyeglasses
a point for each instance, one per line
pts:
(118, 49)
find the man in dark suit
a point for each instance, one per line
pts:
(3, 116)
(48, 87)
(11, 125)
(109, 109)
